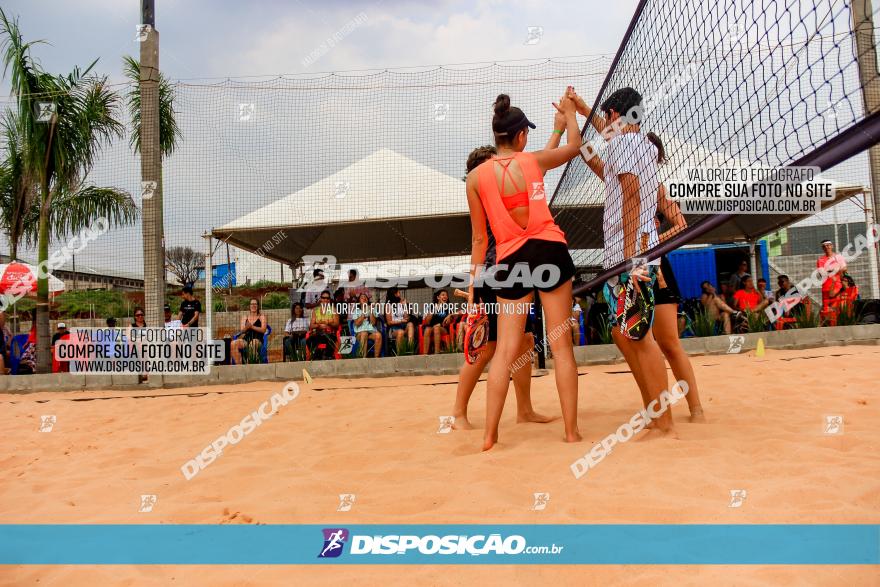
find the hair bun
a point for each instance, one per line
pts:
(502, 104)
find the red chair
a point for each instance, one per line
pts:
(445, 339)
(323, 345)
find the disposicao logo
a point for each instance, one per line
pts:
(334, 540)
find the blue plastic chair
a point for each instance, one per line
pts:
(264, 348)
(380, 326)
(16, 350)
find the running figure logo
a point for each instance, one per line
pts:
(147, 503)
(346, 345)
(833, 425)
(346, 500)
(535, 33)
(538, 191)
(143, 31)
(736, 344)
(334, 541)
(245, 111)
(541, 500)
(446, 423)
(148, 189)
(46, 423)
(737, 497)
(46, 111)
(440, 112)
(341, 189)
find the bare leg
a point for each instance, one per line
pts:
(468, 377)
(438, 332)
(377, 344)
(522, 384)
(631, 358)
(665, 318)
(362, 344)
(557, 309)
(649, 360)
(511, 324)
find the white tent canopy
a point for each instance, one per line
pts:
(388, 207)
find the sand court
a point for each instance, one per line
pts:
(378, 440)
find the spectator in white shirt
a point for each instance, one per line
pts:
(295, 330)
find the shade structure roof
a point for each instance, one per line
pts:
(379, 208)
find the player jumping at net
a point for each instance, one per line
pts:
(470, 373)
(666, 292)
(508, 191)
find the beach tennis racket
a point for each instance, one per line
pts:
(634, 310)
(476, 331)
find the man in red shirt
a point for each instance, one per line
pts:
(748, 298)
(833, 285)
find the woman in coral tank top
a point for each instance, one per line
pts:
(508, 191)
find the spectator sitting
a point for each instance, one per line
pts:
(397, 318)
(766, 294)
(748, 299)
(250, 337)
(190, 309)
(850, 293)
(339, 300)
(365, 326)
(5, 341)
(295, 330)
(323, 328)
(437, 323)
(793, 299)
(139, 321)
(28, 362)
(726, 294)
(716, 307)
(354, 287)
(735, 282)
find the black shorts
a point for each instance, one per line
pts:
(526, 261)
(487, 295)
(669, 294)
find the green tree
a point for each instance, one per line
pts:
(59, 145)
(169, 131)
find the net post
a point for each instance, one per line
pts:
(209, 284)
(870, 220)
(539, 331)
(151, 171)
(866, 57)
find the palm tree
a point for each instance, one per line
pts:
(71, 211)
(56, 154)
(169, 131)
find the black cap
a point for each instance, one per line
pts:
(167, 307)
(514, 122)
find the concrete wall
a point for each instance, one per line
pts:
(445, 364)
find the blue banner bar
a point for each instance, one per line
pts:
(852, 544)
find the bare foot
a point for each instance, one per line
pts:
(490, 441)
(657, 432)
(573, 437)
(534, 417)
(462, 423)
(697, 416)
